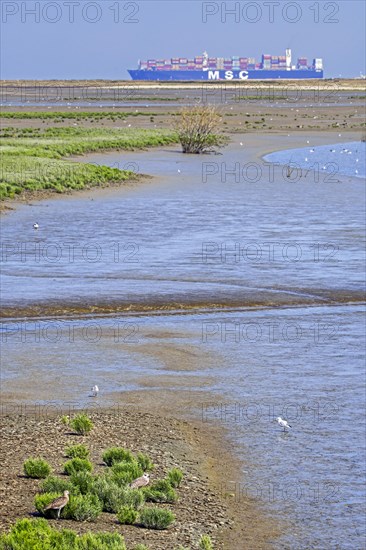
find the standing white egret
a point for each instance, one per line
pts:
(283, 423)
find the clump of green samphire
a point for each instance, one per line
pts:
(117, 454)
(156, 518)
(205, 543)
(77, 465)
(54, 484)
(65, 420)
(160, 491)
(145, 462)
(127, 515)
(36, 468)
(79, 507)
(82, 424)
(77, 451)
(83, 508)
(82, 481)
(174, 477)
(125, 472)
(114, 497)
(37, 534)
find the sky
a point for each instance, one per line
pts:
(82, 39)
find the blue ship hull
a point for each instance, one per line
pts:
(226, 75)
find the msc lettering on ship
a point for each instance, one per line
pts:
(228, 75)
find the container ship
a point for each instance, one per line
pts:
(232, 68)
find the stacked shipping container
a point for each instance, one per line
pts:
(235, 63)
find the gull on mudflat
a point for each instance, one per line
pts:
(311, 151)
(35, 226)
(140, 481)
(283, 423)
(95, 390)
(59, 503)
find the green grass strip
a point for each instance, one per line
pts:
(33, 159)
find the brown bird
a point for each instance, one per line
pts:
(140, 481)
(59, 503)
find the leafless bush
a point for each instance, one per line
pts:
(198, 129)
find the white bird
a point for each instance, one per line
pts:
(332, 151)
(308, 141)
(311, 151)
(306, 159)
(241, 144)
(95, 390)
(59, 503)
(35, 226)
(140, 481)
(283, 423)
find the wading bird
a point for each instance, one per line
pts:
(95, 390)
(283, 423)
(140, 481)
(59, 503)
(35, 226)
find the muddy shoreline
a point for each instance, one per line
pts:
(210, 501)
(249, 299)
